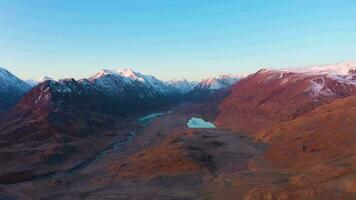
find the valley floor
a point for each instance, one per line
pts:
(209, 153)
(166, 160)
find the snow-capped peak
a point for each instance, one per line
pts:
(11, 83)
(127, 72)
(101, 73)
(222, 81)
(323, 80)
(229, 79)
(211, 83)
(129, 76)
(33, 83)
(11, 89)
(344, 68)
(148, 80)
(181, 85)
(45, 78)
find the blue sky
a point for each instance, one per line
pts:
(172, 38)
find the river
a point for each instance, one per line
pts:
(97, 156)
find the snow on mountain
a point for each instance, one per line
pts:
(210, 83)
(112, 84)
(344, 68)
(344, 72)
(271, 95)
(33, 83)
(323, 80)
(44, 78)
(181, 85)
(108, 81)
(319, 88)
(146, 79)
(104, 72)
(11, 83)
(222, 81)
(11, 89)
(127, 76)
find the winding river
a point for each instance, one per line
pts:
(97, 156)
(101, 154)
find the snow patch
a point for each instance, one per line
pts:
(344, 68)
(11, 84)
(181, 85)
(317, 88)
(222, 81)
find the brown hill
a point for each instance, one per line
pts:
(327, 133)
(315, 153)
(189, 151)
(269, 97)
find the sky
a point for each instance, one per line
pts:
(172, 38)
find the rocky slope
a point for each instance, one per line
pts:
(314, 152)
(270, 96)
(11, 89)
(325, 134)
(307, 118)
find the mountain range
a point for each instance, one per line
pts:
(61, 113)
(284, 133)
(105, 82)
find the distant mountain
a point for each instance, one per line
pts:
(271, 96)
(110, 94)
(108, 91)
(44, 78)
(33, 83)
(215, 83)
(343, 68)
(205, 88)
(181, 85)
(108, 80)
(11, 89)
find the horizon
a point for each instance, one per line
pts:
(172, 40)
(183, 78)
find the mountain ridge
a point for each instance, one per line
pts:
(270, 95)
(11, 89)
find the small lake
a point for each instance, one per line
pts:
(195, 122)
